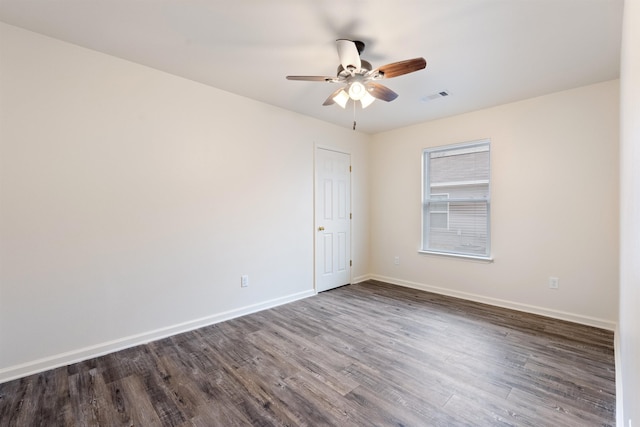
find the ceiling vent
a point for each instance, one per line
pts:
(436, 95)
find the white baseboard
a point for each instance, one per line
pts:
(359, 279)
(556, 314)
(74, 356)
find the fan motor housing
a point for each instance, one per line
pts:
(364, 66)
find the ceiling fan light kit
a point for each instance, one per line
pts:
(359, 78)
(367, 100)
(341, 98)
(357, 91)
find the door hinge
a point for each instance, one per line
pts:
(349, 168)
(350, 216)
(350, 263)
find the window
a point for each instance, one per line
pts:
(455, 203)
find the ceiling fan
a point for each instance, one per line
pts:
(359, 78)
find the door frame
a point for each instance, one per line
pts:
(315, 219)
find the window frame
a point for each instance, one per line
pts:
(426, 200)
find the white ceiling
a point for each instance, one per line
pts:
(484, 52)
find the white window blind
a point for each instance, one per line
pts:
(456, 199)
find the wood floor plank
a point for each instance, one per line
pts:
(15, 399)
(89, 399)
(367, 354)
(136, 402)
(310, 357)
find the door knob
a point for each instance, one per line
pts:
(320, 228)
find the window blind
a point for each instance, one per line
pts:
(456, 199)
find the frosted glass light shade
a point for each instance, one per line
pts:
(366, 100)
(341, 98)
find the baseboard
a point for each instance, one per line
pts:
(556, 314)
(360, 279)
(75, 356)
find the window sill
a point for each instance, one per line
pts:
(461, 256)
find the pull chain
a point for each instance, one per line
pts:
(354, 115)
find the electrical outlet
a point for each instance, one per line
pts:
(396, 260)
(554, 283)
(244, 281)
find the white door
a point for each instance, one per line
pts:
(333, 219)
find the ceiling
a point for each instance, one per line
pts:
(483, 52)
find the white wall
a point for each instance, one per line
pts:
(628, 369)
(554, 192)
(131, 201)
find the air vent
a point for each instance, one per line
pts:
(436, 95)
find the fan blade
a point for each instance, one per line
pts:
(381, 92)
(330, 100)
(348, 54)
(312, 78)
(396, 69)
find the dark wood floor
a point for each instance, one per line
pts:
(369, 354)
